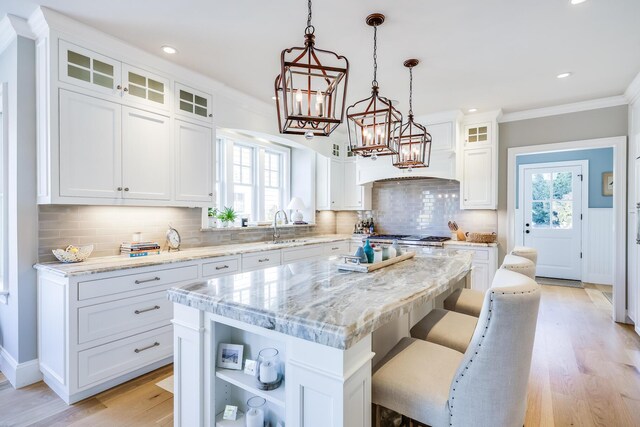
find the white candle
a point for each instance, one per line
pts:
(299, 102)
(268, 372)
(379, 137)
(255, 418)
(365, 137)
(319, 104)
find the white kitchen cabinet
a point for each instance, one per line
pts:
(193, 104)
(442, 136)
(146, 155)
(478, 179)
(478, 134)
(337, 188)
(194, 162)
(145, 88)
(90, 147)
(484, 264)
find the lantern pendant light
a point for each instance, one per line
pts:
(414, 144)
(311, 88)
(374, 123)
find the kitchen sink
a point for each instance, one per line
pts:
(282, 242)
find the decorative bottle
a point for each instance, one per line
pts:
(396, 246)
(368, 251)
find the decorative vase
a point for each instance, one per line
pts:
(396, 246)
(368, 251)
(360, 253)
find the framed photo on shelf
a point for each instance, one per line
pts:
(230, 356)
(607, 183)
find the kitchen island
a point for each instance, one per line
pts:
(320, 319)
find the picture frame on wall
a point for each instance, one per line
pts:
(607, 183)
(230, 356)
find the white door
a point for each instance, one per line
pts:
(90, 147)
(147, 166)
(553, 219)
(337, 184)
(194, 162)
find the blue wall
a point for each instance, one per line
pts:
(600, 160)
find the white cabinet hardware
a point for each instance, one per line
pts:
(144, 310)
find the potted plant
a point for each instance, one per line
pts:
(226, 216)
(212, 213)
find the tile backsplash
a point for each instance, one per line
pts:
(424, 206)
(107, 226)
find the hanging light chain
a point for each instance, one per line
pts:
(410, 91)
(310, 28)
(375, 56)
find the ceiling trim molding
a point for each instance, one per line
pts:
(633, 91)
(593, 104)
(11, 27)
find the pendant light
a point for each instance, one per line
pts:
(374, 123)
(414, 144)
(311, 88)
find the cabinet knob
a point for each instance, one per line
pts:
(210, 194)
(119, 87)
(210, 115)
(126, 89)
(126, 188)
(119, 188)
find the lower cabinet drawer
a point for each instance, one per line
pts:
(260, 260)
(301, 252)
(221, 267)
(117, 317)
(132, 282)
(111, 360)
(337, 248)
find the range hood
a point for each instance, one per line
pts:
(443, 165)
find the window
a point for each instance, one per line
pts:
(243, 180)
(252, 177)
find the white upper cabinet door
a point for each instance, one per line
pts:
(323, 201)
(194, 162)
(478, 179)
(88, 69)
(90, 146)
(353, 193)
(478, 134)
(145, 88)
(193, 104)
(337, 187)
(442, 135)
(147, 155)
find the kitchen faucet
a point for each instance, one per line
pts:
(276, 232)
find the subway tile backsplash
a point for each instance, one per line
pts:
(424, 206)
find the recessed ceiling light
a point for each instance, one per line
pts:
(563, 75)
(472, 110)
(577, 1)
(168, 49)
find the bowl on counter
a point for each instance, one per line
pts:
(73, 253)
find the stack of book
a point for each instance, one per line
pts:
(140, 249)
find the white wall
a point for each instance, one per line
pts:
(598, 244)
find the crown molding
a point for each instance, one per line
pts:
(483, 116)
(11, 27)
(593, 104)
(633, 91)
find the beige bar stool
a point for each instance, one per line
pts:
(485, 386)
(529, 253)
(519, 265)
(455, 330)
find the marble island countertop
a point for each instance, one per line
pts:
(445, 243)
(316, 302)
(113, 263)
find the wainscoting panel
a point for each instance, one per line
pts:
(598, 247)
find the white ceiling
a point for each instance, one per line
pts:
(486, 54)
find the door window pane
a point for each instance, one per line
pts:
(562, 186)
(540, 214)
(540, 183)
(562, 215)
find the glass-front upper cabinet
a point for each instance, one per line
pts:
(477, 134)
(83, 67)
(144, 87)
(192, 103)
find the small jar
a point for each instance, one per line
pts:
(269, 376)
(255, 412)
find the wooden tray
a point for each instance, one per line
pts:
(367, 268)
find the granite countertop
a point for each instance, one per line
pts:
(113, 263)
(446, 243)
(317, 302)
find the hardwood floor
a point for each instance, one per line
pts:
(585, 372)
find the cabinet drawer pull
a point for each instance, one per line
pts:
(334, 249)
(155, 344)
(137, 282)
(263, 260)
(222, 267)
(144, 310)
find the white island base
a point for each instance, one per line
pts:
(324, 386)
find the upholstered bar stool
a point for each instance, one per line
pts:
(485, 386)
(465, 301)
(519, 265)
(455, 330)
(529, 253)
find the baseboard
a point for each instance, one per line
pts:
(19, 374)
(598, 279)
